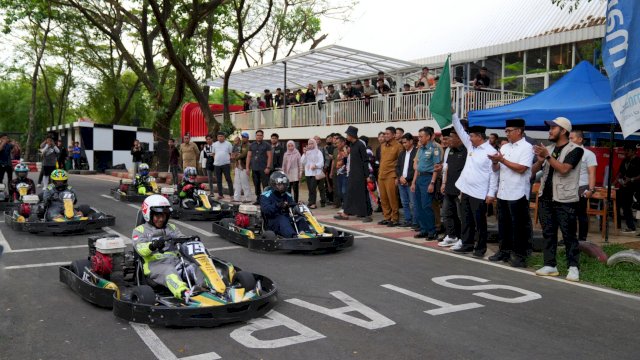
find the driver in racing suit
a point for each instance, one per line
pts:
(21, 171)
(141, 182)
(274, 204)
(52, 195)
(149, 241)
(187, 187)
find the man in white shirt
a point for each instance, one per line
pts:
(586, 184)
(514, 162)
(478, 184)
(221, 151)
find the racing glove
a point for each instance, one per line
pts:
(157, 244)
(187, 188)
(284, 205)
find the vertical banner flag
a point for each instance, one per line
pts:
(622, 61)
(440, 105)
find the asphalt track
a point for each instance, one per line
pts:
(381, 299)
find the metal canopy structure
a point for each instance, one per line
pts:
(330, 64)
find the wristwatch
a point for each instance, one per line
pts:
(433, 183)
(547, 157)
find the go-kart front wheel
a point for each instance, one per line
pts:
(226, 222)
(143, 294)
(269, 235)
(332, 231)
(246, 279)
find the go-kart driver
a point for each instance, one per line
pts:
(187, 187)
(22, 172)
(141, 182)
(52, 195)
(149, 240)
(274, 204)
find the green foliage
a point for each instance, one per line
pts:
(15, 99)
(625, 276)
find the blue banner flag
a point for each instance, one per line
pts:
(622, 61)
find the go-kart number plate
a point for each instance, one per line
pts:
(67, 195)
(194, 248)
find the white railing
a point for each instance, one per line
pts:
(408, 106)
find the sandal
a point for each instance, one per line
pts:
(340, 217)
(313, 206)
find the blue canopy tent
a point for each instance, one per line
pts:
(583, 96)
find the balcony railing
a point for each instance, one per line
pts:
(408, 106)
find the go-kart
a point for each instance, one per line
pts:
(199, 207)
(31, 216)
(114, 278)
(127, 192)
(6, 202)
(247, 229)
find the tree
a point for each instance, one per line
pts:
(571, 5)
(294, 24)
(245, 14)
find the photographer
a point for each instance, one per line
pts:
(136, 154)
(5, 158)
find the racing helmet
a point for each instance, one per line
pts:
(278, 181)
(21, 171)
(59, 179)
(190, 174)
(143, 169)
(155, 204)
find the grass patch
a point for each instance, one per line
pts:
(624, 276)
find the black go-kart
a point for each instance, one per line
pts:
(113, 278)
(200, 207)
(31, 217)
(247, 229)
(127, 192)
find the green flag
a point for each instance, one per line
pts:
(440, 105)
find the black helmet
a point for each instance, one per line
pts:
(278, 181)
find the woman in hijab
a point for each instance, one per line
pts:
(292, 167)
(313, 162)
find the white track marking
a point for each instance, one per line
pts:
(109, 197)
(159, 349)
(36, 265)
(484, 262)
(49, 248)
(4, 243)
(226, 248)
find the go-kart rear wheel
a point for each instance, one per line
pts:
(226, 222)
(246, 279)
(269, 235)
(78, 266)
(143, 294)
(85, 209)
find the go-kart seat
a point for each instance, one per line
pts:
(139, 219)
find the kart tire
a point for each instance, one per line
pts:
(143, 294)
(77, 266)
(226, 222)
(246, 279)
(269, 235)
(332, 231)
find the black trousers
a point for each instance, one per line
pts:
(260, 179)
(452, 211)
(226, 170)
(314, 185)
(8, 170)
(624, 198)
(330, 186)
(474, 219)
(583, 219)
(513, 226)
(294, 188)
(554, 215)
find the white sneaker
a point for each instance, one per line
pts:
(447, 241)
(628, 231)
(457, 245)
(574, 274)
(547, 271)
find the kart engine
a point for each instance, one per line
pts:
(106, 254)
(248, 217)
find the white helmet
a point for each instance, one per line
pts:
(155, 204)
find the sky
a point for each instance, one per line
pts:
(412, 29)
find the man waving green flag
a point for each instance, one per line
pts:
(440, 105)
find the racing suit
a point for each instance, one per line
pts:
(186, 194)
(162, 268)
(13, 188)
(277, 215)
(142, 185)
(52, 199)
